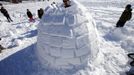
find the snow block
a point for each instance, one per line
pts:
(44, 47)
(84, 59)
(71, 19)
(67, 53)
(70, 61)
(46, 39)
(74, 61)
(47, 59)
(55, 41)
(94, 46)
(81, 19)
(82, 41)
(55, 51)
(61, 61)
(66, 66)
(80, 30)
(83, 51)
(55, 30)
(48, 18)
(58, 19)
(92, 36)
(69, 43)
(51, 40)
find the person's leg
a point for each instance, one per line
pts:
(31, 19)
(8, 19)
(118, 24)
(1, 48)
(123, 23)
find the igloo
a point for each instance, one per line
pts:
(66, 37)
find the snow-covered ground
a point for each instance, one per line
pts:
(20, 37)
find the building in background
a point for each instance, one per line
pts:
(15, 1)
(12, 1)
(18, 1)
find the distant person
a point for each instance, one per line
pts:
(1, 4)
(126, 16)
(20, 1)
(30, 16)
(40, 13)
(1, 47)
(5, 13)
(54, 3)
(66, 3)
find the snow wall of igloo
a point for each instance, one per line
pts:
(66, 37)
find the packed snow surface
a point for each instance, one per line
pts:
(20, 37)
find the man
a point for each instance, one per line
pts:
(40, 13)
(1, 47)
(0, 4)
(66, 3)
(126, 15)
(30, 16)
(5, 13)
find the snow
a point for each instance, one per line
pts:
(21, 37)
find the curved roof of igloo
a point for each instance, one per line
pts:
(60, 21)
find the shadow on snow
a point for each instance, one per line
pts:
(21, 63)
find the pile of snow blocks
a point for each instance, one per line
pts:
(66, 39)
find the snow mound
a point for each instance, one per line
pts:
(116, 34)
(127, 41)
(66, 37)
(124, 36)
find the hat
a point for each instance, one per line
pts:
(128, 6)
